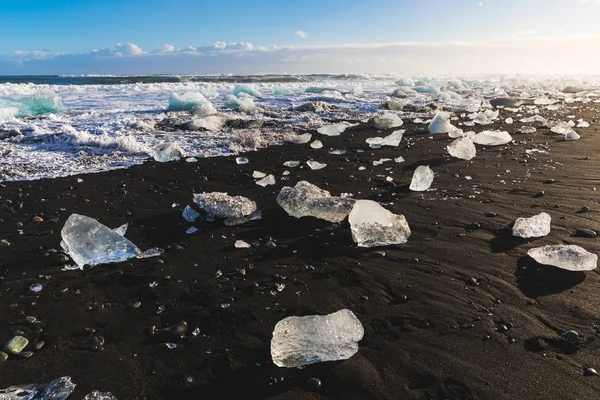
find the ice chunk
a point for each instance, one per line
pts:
(509, 120)
(189, 214)
(582, 124)
(462, 148)
(569, 257)
(244, 103)
(211, 123)
(392, 139)
(240, 244)
(381, 161)
(534, 118)
(308, 200)
(492, 138)
(572, 135)
(88, 242)
(258, 174)
(153, 252)
(241, 160)
(299, 341)
(314, 165)
(166, 152)
(246, 89)
(399, 159)
(291, 164)
(208, 92)
(561, 127)
(187, 101)
(266, 181)
(96, 395)
(485, 117)
(422, 178)
(396, 120)
(235, 210)
(441, 123)
(301, 139)
(528, 129)
(317, 144)
(373, 225)
(121, 230)
(333, 129)
(544, 101)
(279, 91)
(536, 226)
(58, 389)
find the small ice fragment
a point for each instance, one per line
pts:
(36, 287)
(79, 180)
(536, 226)
(302, 139)
(572, 135)
(362, 168)
(240, 244)
(258, 174)
(191, 159)
(96, 395)
(508, 120)
(58, 389)
(306, 199)
(189, 214)
(299, 341)
(333, 129)
(492, 138)
(316, 144)
(121, 230)
(462, 148)
(391, 140)
(441, 123)
(582, 124)
(166, 152)
(485, 117)
(235, 210)
(528, 129)
(560, 127)
(534, 118)
(191, 230)
(153, 252)
(544, 101)
(569, 257)
(373, 225)
(241, 160)
(381, 161)
(399, 159)
(266, 181)
(314, 165)
(89, 242)
(337, 152)
(422, 178)
(292, 164)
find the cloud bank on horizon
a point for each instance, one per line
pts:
(522, 53)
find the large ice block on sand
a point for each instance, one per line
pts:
(308, 200)
(569, 257)
(492, 138)
(536, 226)
(166, 152)
(462, 148)
(233, 209)
(299, 341)
(88, 242)
(58, 389)
(373, 225)
(333, 129)
(422, 178)
(441, 123)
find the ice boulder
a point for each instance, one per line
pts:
(42, 102)
(569, 257)
(441, 123)
(244, 103)
(279, 91)
(462, 148)
(572, 135)
(492, 138)
(88, 242)
(58, 389)
(422, 178)
(187, 101)
(308, 200)
(166, 152)
(536, 226)
(373, 225)
(246, 89)
(392, 139)
(333, 129)
(299, 341)
(234, 210)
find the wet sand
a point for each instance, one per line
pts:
(431, 331)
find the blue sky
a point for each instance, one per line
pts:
(35, 29)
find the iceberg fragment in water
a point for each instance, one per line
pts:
(246, 89)
(422, 178)
(492, 138)
(308, 200)
(187, 101)
(88, 242)
(234, 210)
(299, 341)
(373, 225)
(569, 257)
(536, 226)
(166, 152)
(462, 148)
(58, 389)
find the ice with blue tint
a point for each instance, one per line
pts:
(279, 91)
(40, 103)
(187, 101)
(247, 89)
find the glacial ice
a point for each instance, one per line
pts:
(234, 210)
(508, 120)
(299, 341)
(258, 174)
(485, 117)
(279, 91)
(333, 129)
(244, 103)
(534, 118)
(373, 225)
(422, 178)
(572, 135)
(536, 226)
(492, 138)
(315, 165)
(302, 139)
(392, 139)
(544, 101)
(88, 242)
(240, 244)
(569, 257)
(96, 395)
(462, 148)
(166, 152)
(246, 89)
(396, 120)
(189, 214)
(40, 103)
(308, 200)
(58, 389)
(187, 101)
(266, 181)
(211, 123)
(528, 129)
(561, 127)
(292, 164)
(317, 144)
(441, 123)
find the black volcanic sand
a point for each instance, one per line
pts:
(430, 330)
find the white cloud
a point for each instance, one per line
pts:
(301, 34)
(167, 48)
(480, 4)
(525, 32)
(526, 54)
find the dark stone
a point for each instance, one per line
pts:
(314, 384)
(586, 233)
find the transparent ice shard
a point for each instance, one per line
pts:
(536, 226)
(189, 214)
(392, 139)
(314, 165)
(266, 181)
(492, 138)
(569, 257)
(166, 152)
(234, 210)
(462, 148)
(58, 389)
(372, 225)
(422, 178)
(333, 129)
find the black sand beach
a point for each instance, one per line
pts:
(458, 312)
